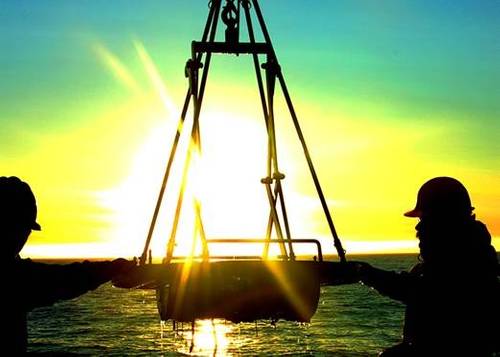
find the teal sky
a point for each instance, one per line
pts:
(437, 56)
(412, 86)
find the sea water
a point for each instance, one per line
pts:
(351, 320)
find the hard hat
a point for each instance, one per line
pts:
(17, 202)
(443, 196)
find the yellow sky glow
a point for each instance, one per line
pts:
(97, 183)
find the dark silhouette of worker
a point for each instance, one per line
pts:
(27, 284)
(452, 296)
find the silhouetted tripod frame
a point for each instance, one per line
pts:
(203, 50)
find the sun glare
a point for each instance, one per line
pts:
(210, 337)
(223, 183)
(116, 67)
(223, 179)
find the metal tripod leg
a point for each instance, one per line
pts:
(336, 240)
(275, 218)
(198, 100)
(271, 68)
(197, 93)
(262, 95)
(165, 178)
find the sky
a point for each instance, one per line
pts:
(389, 94)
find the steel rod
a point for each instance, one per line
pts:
(278, 241)
(336, 241)
(277, 225)
(172, 154)
(194, 139)
(173, 151)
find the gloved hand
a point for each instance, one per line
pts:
(356, 271)
(97, 273)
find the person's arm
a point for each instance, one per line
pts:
(398, 286)
(49, 283)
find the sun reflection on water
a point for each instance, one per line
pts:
(209, 337)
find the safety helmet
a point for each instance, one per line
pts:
(442, 196)
(17, 202)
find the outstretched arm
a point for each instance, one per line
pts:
(49, 283)
(398, 286)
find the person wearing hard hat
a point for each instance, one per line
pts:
(29, 284)
(452, 296)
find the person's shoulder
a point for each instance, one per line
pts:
(478, 228)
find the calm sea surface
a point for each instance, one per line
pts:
(351, 320)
